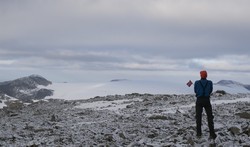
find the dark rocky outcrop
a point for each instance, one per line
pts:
(26, 88)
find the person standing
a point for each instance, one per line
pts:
(203, 89)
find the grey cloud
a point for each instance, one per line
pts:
(239, 63)
(89, 60)
(120, 34)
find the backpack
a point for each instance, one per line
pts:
(204, 89)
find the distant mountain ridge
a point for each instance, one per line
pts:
(230, 83)
(26, 88)
(118, 80)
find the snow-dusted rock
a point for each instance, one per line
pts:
(234, 130)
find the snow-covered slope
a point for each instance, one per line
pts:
(233, 89)
(232, 86)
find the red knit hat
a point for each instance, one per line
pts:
(203, 74)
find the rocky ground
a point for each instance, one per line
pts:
(133, 120)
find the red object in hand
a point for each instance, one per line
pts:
(189, 83)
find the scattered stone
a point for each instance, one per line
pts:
(161, 117)
(129, 106)
(14, 105)
(190, 141)
(234, 130)
(121, 134)
(173, 103)
(54, 118)
(13, 114)
(220, 92)
(245, 115)
(247, 131)
(109, 137)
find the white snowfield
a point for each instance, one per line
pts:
(74, 91)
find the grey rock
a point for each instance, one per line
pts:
(161, 117)
(234, 130)
(245, 115)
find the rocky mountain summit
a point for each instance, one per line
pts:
(26, 88)
(133, 120)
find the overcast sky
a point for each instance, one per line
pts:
(80, 39)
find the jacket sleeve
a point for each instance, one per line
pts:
(211, 87)
(195, 88)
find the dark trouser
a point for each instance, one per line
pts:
(200, 104)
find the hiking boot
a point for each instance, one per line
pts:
(198, 135)
(212, 136)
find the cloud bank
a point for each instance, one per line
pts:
(143, 35)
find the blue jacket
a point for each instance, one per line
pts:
(203, 90)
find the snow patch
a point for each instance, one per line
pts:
(108, 105)
(2, 104)
(7, 98)
(185, 108)
(220, 102)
